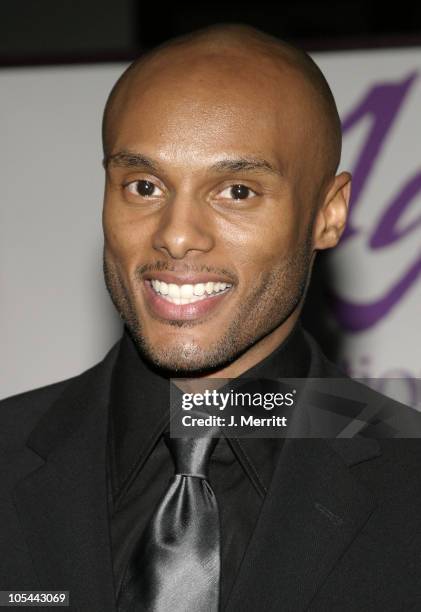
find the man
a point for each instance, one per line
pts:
(221, 150)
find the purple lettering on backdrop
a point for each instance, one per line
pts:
(387, 232)
(382, 103)
(356, 317)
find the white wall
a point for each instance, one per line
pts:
(56, 317)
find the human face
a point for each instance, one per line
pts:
(202, 201)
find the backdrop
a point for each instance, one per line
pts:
(56, 318)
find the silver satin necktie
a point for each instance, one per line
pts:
(176, 564)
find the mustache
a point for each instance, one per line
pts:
(164, 266)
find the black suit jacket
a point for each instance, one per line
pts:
(340, 527)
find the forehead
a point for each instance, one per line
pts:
(199, 106)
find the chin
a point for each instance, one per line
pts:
(175, 357)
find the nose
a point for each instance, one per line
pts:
(183, 228)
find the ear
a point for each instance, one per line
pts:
(331, 217)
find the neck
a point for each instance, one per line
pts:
(257, 352)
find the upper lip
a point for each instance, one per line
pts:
(186, 279)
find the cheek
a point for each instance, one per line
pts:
(125, 239)
(259, 244)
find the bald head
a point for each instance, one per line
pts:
(222, 53)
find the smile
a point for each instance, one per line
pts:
(190, 301)
(188, 294)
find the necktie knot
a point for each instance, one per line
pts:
(191, 455)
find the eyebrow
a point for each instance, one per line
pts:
(127, 159)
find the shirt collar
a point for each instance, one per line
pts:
(140, 398)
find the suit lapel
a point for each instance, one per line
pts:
(313, 510)
(62, 504)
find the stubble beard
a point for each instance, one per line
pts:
(273, 299)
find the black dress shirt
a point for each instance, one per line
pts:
(140, 466)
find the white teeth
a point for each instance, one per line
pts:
(173, 290)
(199, 289)
(187, 294)
(186, 291)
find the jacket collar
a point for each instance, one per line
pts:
(140, 400)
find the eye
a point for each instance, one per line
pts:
(143, 188)
(238, 192)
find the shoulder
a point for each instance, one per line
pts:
(363, 409)
(20, 413)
